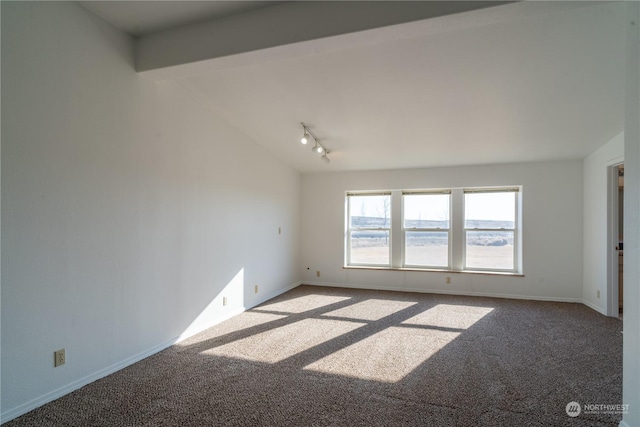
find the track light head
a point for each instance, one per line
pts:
(317, 148)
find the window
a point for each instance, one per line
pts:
(369, 229)
(470, 229)
(490, 229)
(426, 229)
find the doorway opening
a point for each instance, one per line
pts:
(615, 246)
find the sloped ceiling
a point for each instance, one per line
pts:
(543, 87)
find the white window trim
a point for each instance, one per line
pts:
(412, 229)
(515, 230)
(350, 229)
(457, 232)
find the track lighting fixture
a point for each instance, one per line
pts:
(317, 147)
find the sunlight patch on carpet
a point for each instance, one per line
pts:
(302, 304)
(232, 326)
(449, 316)
(371, 309)
(281, 343)
(388, 356)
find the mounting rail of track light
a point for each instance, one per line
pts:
(317, 147)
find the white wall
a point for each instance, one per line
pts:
(595, 170)
(552, 229)
(631, 343)
(129, 210)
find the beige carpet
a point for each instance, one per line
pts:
(327, 356)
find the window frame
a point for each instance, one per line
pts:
(515, 229)
(350, 229)
(457, 232)
(426, 230)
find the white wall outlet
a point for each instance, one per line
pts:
(279, 230)
(448, 280)
(224, 301)
(318, 273)
(58, 358)
(255, 289)
(598, 293)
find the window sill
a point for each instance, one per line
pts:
(433, 270)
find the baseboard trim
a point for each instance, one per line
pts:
(444, 292)
(191, 332)
(194, 331)
(274, 294)
(594, 307)
(75, 385)
(79, 383)
(623, 424)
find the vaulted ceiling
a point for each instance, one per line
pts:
(497, 85)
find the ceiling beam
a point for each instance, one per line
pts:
(284, 24)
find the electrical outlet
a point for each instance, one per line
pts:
(58, 358)
(255, 289)
(318, 273)
(224, 300)
(598, 293)
(448, 280)
(279, 230)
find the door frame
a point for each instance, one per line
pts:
(612, 237)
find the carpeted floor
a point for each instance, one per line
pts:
(327, 356)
